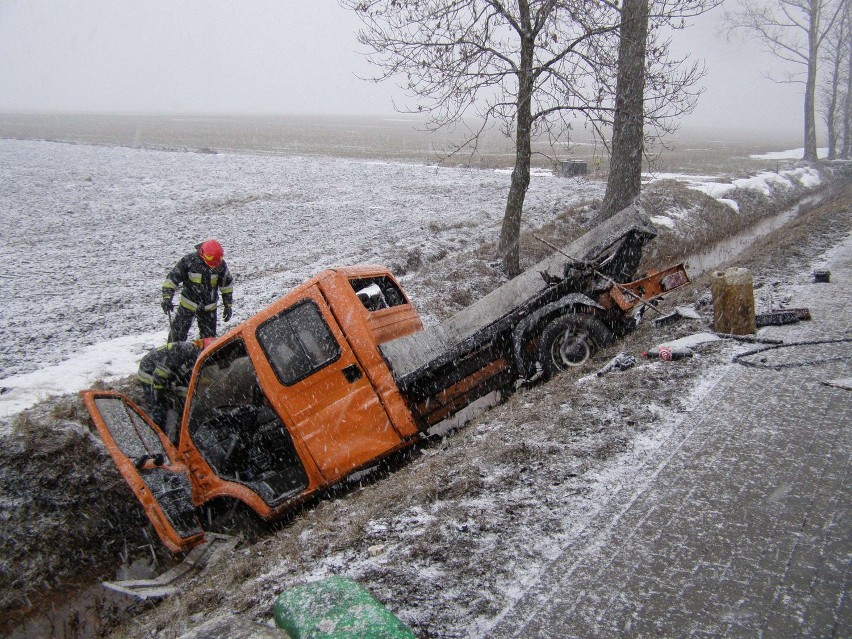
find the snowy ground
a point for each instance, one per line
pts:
(790, 154)
(453, 539)
(448, 539)
(91, 231)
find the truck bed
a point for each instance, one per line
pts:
(422, 353)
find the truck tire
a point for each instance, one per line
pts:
(571, 340)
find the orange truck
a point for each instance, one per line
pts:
(339, 373)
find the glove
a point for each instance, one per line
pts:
(226, 313)
(167, 306)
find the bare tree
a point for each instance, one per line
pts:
(530, 66)
(653, 91)
(625, 168)
(846, 148)
(834, 55)
(520, 65)
(793, 31)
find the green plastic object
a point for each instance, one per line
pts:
(336, 608)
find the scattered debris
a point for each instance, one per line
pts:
(822, 276)
(705, 300)
(336, 607)
(667, 353)
(750, 339)
(797, 354)
(782, 316)
(620, 362)
(199, 558)
(696, 339)
(845, 383)
(680, 312)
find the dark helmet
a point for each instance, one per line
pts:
(212, 253)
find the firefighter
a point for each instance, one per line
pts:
(201, 275)
(164, 374)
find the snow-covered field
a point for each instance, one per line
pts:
(89, 233)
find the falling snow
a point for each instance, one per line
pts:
(452, 540)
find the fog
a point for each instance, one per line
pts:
(281, 57)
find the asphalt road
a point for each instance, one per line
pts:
(739, 526)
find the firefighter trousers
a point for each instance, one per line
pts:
(183, 320)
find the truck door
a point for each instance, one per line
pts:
(149, 463)
(324, 390)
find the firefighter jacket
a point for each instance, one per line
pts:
(200, 284)
(167, 369)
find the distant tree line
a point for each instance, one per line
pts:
(816, 37)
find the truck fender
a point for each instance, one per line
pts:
(533, 319)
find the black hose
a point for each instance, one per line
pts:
(739, 358)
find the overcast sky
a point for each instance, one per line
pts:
(277, 56)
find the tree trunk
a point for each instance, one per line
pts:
(810, 83)
(831, 117)
(510, 233)
(846, 150)
(625, 174)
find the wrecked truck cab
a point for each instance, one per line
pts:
(286, 403)
(298, 396)
(339, 373)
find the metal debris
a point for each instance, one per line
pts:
(680, 312)
(667, 353)
(782, 316)
(620, 362)
(214, 546)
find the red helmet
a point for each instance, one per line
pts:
(212, 253)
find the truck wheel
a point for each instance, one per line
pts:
(571, 340)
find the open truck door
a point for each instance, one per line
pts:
(149, 463)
